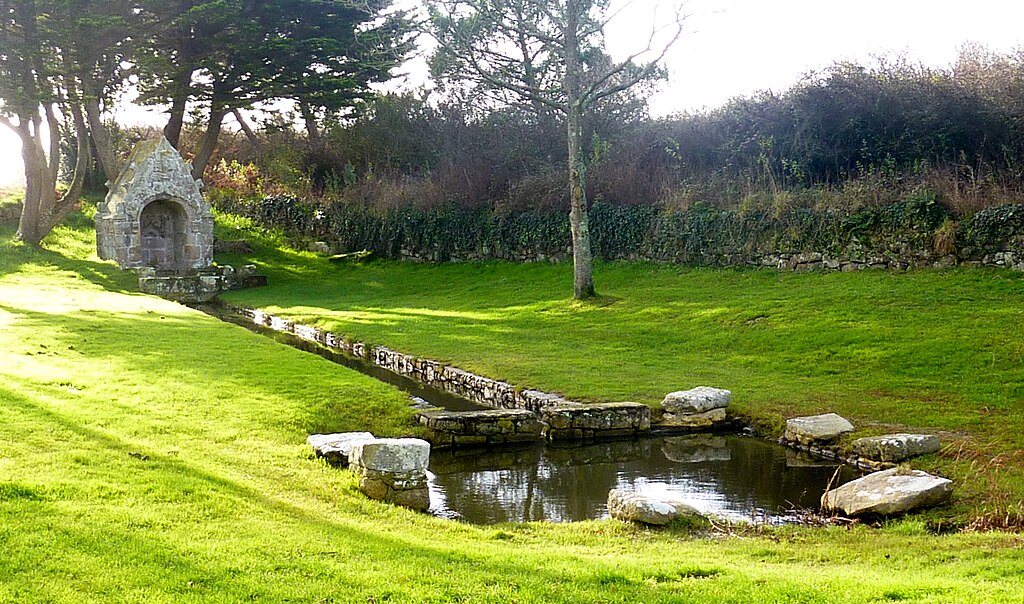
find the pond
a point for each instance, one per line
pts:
(732, 476)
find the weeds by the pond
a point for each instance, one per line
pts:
(996, 509)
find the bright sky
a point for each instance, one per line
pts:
(736, 47)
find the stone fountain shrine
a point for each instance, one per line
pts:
(155, 221)
(154, 215)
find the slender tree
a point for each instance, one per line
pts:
(547, 54)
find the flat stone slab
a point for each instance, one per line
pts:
(391, 455)
(631, 506)
(697, 400)
(336, 447)
(708, 419)
(455, 428)
(896, 447)
(578, 421)
(817, 428)
(888, 492)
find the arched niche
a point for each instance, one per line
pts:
(162, 230)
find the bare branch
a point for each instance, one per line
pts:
(594, 91)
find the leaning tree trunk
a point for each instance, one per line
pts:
(579, 223)
(42, 209)
(209, 142)
(246, 128)
(179, 102)
(101, 138)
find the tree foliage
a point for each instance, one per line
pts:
(63, 61)
(225, 55)
(59, 60)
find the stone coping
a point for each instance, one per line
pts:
(495, 394)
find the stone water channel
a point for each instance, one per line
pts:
(728, 475)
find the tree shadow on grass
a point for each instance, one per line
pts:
(307, 543)
(16, 257)
(208, 362)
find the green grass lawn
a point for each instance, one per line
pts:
(941, 351)
(149, 453)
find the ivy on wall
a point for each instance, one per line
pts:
(699, 235)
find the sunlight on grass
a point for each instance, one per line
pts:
(149, 453)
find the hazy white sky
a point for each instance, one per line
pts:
(736, 47)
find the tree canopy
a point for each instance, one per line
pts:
(62, 61)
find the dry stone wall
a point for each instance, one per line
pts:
(564, 419)
(10, 213)
(917, 232)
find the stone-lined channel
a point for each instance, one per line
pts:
(732, 476)
(415, 389)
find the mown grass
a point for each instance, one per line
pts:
(940, 351)
(149, 453)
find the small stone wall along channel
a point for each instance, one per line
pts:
(463, 394)
(569, 477)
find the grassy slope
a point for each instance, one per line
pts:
(151, 454)
(932, 350)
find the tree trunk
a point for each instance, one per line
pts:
(244, 125)
(28, 225)
(59, 208)
(579, 223)
(179, 101)
(316, 141)
(209, 141)
(101, 138)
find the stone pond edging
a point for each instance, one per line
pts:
(562, 419)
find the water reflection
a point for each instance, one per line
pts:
(732, 476)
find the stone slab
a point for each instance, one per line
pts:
(631, 506)
(888, 492)
(707, 419)
(335, 447)
(696, 400)
(391, 454)
(817, 428)
(896, 447)
(575, 420)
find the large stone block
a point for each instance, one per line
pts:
(697, 400)
(708, 419)
(631, 506)
(816, 428)
(888, 492)
(483, 426)
(896, 447)
(575, 420)
(391, 454)
(335, 448)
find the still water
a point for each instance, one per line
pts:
(740, 478)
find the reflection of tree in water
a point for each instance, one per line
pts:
(727, 474)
